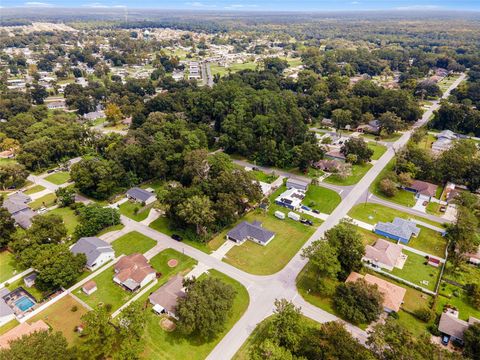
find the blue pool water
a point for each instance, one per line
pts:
(24, 303)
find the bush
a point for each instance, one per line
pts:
(394, 315)
(74, 308)
(387, 187)
(424, 314)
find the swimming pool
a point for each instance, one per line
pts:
(24, 303)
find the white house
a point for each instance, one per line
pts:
(97, 251)
(141, 196)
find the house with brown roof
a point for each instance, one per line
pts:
(423, 190)
(392, 294)
(21, 330)
(89, 287)
(454, 327)
(384, 254)
(165, 299)
(133, 272)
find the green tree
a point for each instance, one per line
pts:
(131, 327)
(197, 210)
(40, 345)
(94, 218)
(57, 267)
(358, 147)
(7, 226)
(390, 122)
(205, 308)
(12, 175)
(341, 118)
(358, 302)
(98, 336)
(387, 187)
(471, 340)
(38, 94)
(65, 196)
(391, 341)
(463, 232)
(323, 257)
(349, 246)
(47, 229)
(286, 327)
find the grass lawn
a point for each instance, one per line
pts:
(133, 242)
(416, 271)
(154, 184)
(446, 82)
(7, 161)
(466, 274)
(256, 259)
(45, 201)
(259, 334)
(37, 294)
(458, 298)
(388, 138)
(69, 218)
(372, 213)
(60, 317)
(358, 171)
(426, 142)
(434, 208)
(8, 265)
(58, 178)
(222, 71)
(134, 210)
(160, 262)
(306, 283)
(162, 225)
(261, 176)
(34, 189)
(378, 150)
(321, 199)
(429, 241)
(8, 326)
(160, 344)
(107, 293)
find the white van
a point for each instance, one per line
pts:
(294, 216)
(280, 215)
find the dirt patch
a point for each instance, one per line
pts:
(172, 263)
(167, 324)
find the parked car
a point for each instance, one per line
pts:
(443, 208)
(176, 237)
(304, 207)
(425, 203)
(306, 222)
(42, 210)
(50, 171)
(445, 339)
(316, 211)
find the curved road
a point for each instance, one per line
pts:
(263, 290)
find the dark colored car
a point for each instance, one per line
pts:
(304, 207)
(316, 211)
(425, 203)
(176, 237)
(50, 171)
(443, 208)
(445, 339)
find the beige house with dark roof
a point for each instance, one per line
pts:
(454, 327)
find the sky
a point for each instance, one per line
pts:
(259, 5)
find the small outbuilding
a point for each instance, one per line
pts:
(29, 280)
(89, 287)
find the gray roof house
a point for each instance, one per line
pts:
(297, 184)
(20, 197)
(399, 229)
(6, 312)
(250, 231)
(451, 325)
(166, 297)
(20, 211)
(97, 251)
(141, 195)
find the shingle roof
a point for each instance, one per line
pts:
(20, 330)
(424, 188)
(168, 294)
(24, 218)
(133, 268)
(92, 247)
(20, 197)
(392, 294)
(294, 181)
(253, 230)
(399, 227)
(14, 207)
(5, 310)
(384, 252)
(139, 194)
(451, 325)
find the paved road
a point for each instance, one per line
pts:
(263, 290)
(374, 199)
(342, 190)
